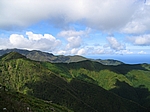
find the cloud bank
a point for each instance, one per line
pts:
(141, 40)
(33, 41)
(70, 42)
(105, 15)
(114, 44)
(127, 17)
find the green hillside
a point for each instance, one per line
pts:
(17, 102)
(128, 81)
(85, 86)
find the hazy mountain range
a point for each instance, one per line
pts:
(44, 56)
(78, 85)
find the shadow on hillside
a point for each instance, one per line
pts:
(96, 66)
(139, 94)
(57, 90)
(79, 95)
(125, 68)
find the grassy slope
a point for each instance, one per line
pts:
(79, 89)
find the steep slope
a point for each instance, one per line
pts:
(37, 79)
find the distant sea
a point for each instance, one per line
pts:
(128, 59)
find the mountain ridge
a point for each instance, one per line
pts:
(45, 56)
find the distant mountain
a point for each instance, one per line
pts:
(109, 62)
(84, 86)
(44, 56)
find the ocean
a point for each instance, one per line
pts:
(128, 59)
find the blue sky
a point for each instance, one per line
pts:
(76, 27)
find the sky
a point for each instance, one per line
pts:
(76, 27)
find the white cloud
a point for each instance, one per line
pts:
(104, 15)
(114, 44)
(60, 52)
(99, 51)
(126, 52)
(140, 21)
(141, 40)
(33, 37)
(36, 37)
(74, 42)
(147, 2)
(44, 42)
(70, 33)
(92, 50)
(74, 38)
(77, 51)
(74, 33)
(96, 50)
(142, 52)
(74, 51)
(4, 43)
(19, 41)
(134, 27)
(81, 51)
